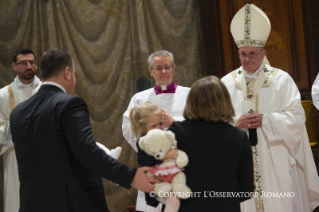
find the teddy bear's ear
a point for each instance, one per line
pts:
(175, 143)
(141, 143)
(170, 135)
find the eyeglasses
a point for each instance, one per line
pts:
(251, 55)
(166, 68)
(25, 63)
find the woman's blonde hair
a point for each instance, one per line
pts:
(209, 101)
(139, 116)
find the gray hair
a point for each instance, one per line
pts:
(160, 53)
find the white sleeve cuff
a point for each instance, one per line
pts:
(7, 137)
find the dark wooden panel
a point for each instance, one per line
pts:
(315, 151)
(230, 49)
(311, 33)
(211, 38)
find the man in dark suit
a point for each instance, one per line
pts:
(59, 163)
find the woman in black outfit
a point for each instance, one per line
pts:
(220, 168)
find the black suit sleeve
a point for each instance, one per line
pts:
(245, 172)
(76, 126)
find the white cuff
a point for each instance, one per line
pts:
(7, 137)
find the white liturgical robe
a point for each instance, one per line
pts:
(285, 159)
(315, 92)
(172, 103)
(10, 96)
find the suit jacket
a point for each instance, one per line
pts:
(60, 166)
(220, 160)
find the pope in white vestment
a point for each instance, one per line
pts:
(285, 173)
(166, 94)
(283, 153)
(10, 96)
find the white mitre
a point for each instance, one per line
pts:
(250, 27)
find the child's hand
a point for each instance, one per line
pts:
(171, 154)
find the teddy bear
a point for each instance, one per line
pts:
(157, 143)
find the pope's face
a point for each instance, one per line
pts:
(160, 71)
(251, 65)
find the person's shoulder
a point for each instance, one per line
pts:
(183, 88)
(142, 96)
(71, 98)
(281, 77)
(182, 126)
(176, 125)
(179, 129)
(182, 91)
(4, 87)
(64, 99)
(283, 74)
(232, 130)
(228, 77)
(239, 132)
(4, 90)
(143, 93)
(277, 72)
(242, 137)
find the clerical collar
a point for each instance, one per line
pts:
(255, 74)
(21, 86)
(170, 88)
(54, 84)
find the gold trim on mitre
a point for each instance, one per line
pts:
(250, 27)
